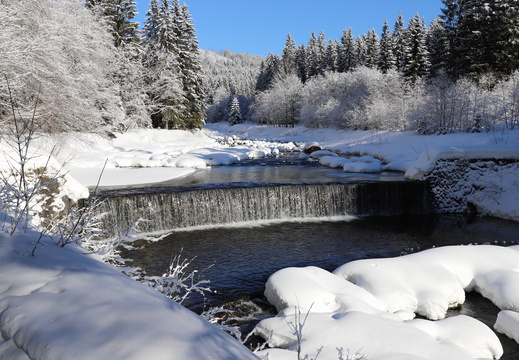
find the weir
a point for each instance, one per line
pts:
(162, 209)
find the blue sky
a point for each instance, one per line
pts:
(261, 26)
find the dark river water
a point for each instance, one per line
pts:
(239, 260)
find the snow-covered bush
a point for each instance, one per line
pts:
(361, 99)
(450, 107)
(280, 104)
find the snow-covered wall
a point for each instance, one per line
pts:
(471, 180)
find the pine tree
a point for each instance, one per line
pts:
(165, 91)
(191, 73)
(234, 115)
(270, 70)
(174, 72)
(119, 15)
(332, 55)
(289, 56)
(302, 63)
(505, 35)
(360, 51)
(372, 53)
(128, 72)
(399, 39)
(387, 59)
(416, 55)
(438, 47)
(347, 60)
(313, 56)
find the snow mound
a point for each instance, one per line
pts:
(67, 305)
(374, 301)
(508, 323)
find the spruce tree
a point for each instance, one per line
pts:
(438, 47)
(119, 15)
(312, 56)
(332, 55)
(415, 53)
(372, 53)
(289, 56)
(302, 63)
(399, 39)
(387, 59)
(128, 73)
(164, 86)
(234, 114)
(270, 70)
(191, 73)
(360, 51)
(347, 59)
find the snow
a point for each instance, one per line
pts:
(63, 304)
(374, 301)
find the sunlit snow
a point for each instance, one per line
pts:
(62, 304)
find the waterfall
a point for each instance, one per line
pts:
(170, 208)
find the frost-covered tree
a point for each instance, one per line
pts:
(128, 74)
(302, 63)
(270, 70)
(191, 73)
(387, 58)
(163, 82)
(361, 51)
(119, 16)
(416, 55)
(332, 55)
(372, 53)
(347, 59)
(288, 56)
(399, 39)
(279, 105)
(173, 68)
(58, 52)
(234, 112)
(438, 47)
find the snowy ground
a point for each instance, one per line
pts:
(62, 304)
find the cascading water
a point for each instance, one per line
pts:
(164, 209)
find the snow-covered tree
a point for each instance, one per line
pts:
(280, 104)
(128, 74)
(164, 86)
(332, 55)
(289, 56)
(191, 73)
(58, 52)
(438, 47)
(387, 58)
(372, 53)
(234, 116)
(270, 70)
(347, 60)
(119, 16)
(416, 55)
(399, 39)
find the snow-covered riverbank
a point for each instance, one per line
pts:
(62, 304)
